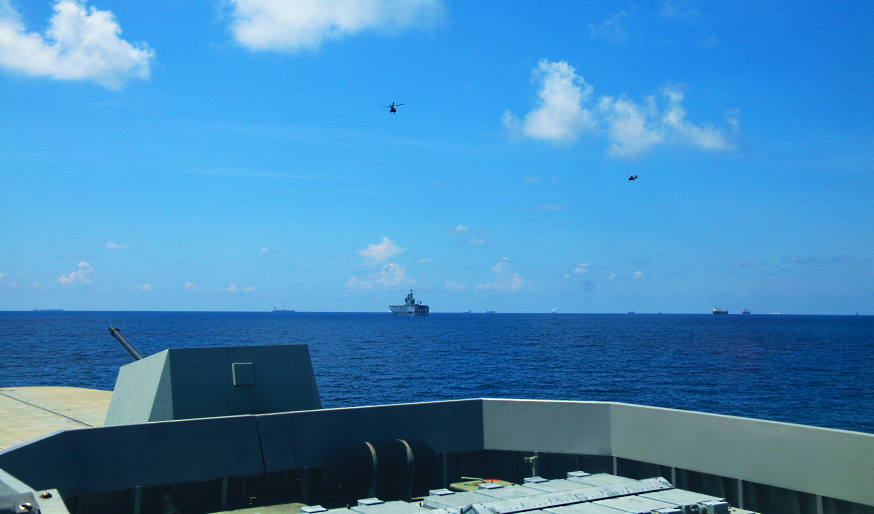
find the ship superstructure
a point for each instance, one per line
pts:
(410, 307)
(718, 311)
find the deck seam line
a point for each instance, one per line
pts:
(45, 409)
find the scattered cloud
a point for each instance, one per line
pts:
(424, 260)
(531, 179)
(249, 289)
(143, 287)
(263, 251)
(638, 275)
(82, 275)
(609, 275)
(390, 275)
(581, 268)
(732, 117)
(2, 276)
(550, 207)
(631, 128)
(232, 288)
(469, 236)
(297, 25)
(379, 252)
(560, 117)
(110, 245)
(451, 285)
(673, 9)
(613, 28)
(505, 279)
(189, 286)
(81, 43)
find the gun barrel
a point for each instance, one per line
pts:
(136, 355)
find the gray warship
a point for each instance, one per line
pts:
(410, 307)
(242, 429)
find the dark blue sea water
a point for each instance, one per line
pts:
(816, 370)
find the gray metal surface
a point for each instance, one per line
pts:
(548, 500)
(506, 492)
(554, 486)
(600, 479)
(220, 381)
(635, 504)
(582, 508)
(681, 497)
(785, 455)
(455, 502)
(392, 507)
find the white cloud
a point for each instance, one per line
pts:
(143, 287)
(232, 288)
(505, 279)
(609, 275)
(424, 260)
(2, 275)
(264, 251)
(81, 43)
(732, 117)
(612, 28)
(471, 237)
(115, 246)
(532, 179)
(354, 282)
(189, 286)
(674, 120)
(550, 207)
(82, 274)
(451, 285)
(638, 275)
(631, 128)
(581, 268)
(561, 116)
(388, 276)
(379, 252)
(295, 25)
(249, 289)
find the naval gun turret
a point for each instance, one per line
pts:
(183, 383)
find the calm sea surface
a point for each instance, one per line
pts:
(816, 370)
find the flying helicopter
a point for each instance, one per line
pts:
(632, 177)
(393, 107)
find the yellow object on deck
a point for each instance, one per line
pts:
(30, 412)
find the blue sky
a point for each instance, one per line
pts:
(235, 155)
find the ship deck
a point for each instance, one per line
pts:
(31, 412)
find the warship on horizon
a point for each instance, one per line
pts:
(410, 307)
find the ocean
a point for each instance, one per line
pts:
(815, 370)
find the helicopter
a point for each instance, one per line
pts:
(632, 177)
(393, 107)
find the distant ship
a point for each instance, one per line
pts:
(48, 310)
(410, 307)
(631, 312)
(745, 312)
(717, 310)
(490, 312)
(282, 310)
